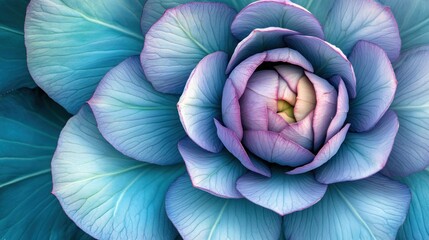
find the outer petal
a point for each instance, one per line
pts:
(320, 9)
(361, 154)
(13, 64)
(413, 21)
(375, 86)
(350, 21)
(411, 150)
(201, 100)
(342, 108)
(281, 193)
(231, 113)
(416, 225)
(31, 124)
(272, 147)
(373, 208)
(181, 38)
(272, 13)
(137, 120)
(199, 215)
(105, 193)
(215, 173)
(72, 44)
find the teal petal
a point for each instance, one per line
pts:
(200, 215)
(181, 38)
(137, 120)
(416, 225)
(108, 195)
(373, 208)
(31, 124)
(13, 62)
(319, 9)
(72, 44)
(413, 21)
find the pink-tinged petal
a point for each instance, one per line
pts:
(201, 101)
(326, 152)
(361, 154)
(272, 147)
(231, 113)
(285, 92)
(281, 193)
(375, 86)
(234, 146)
(291, 74)
(326, 59)
(259, 95)
(269, 13)
(305, 98)
(342, 109)
(300, 132)
(275, 122)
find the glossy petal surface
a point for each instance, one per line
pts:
(200, 215)
(375, 86)
(107, 194)
(215, 173)
(137, 120)
(373, 208)
(31, 124)
(281, 193)
(361, 154)
(72, 44)
(181, 38)
(201, 100)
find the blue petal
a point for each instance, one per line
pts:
(361, 154)
(200, 215)
(72, 44)
(137, 120)
(31, 124)
(268, 13)
(373, 208)
(416, 225)
(201, 100)
(281, 193)
(411, 150)
(413, 21)
(13, 63)
(215, 173)
(375, 86)
(319, 9)
(181, 38)
(350, 21)
(105, 193)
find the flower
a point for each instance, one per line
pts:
(239, 120)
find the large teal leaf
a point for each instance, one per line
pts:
(30, 124)
(200, 215)
(108, 195)
(13, 62)
(71, 44)
(373, 208)
(416, 225)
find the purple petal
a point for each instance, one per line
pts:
(231, 113)
(342, 109)
(300, 132)
(275, 122)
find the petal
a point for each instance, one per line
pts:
(416, 225)
(13, 65)
(361, 154)
(373, 208)
(351, 21)
(326, 152)
(234, 146)
(200, 102)
(215, 173)
(269, 13)
(200, 215)
(375, 86)
(181, 38)
(31, 124)
(137, 120)
(72, 44)
(319, 9)
(411, 150)
(342, 108)
(413, 21)
(231, 113)
(300, 132)
(101, 190)
(272, 147)
(281, 193)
